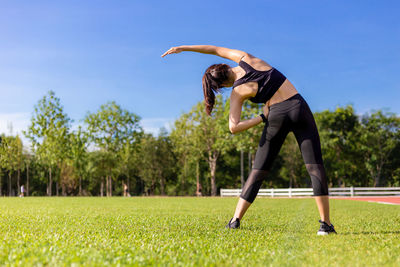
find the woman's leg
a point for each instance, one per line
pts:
(249, 192)
(241, 209)
(307, 136)
(320, 188)
(323, 208)
(272, 138)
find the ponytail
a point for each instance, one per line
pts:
(209, 95)
(212, 81)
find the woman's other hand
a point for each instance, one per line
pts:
(173, 50)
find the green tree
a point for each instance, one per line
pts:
(19, 160)
(127, 163)
(380, 135)
(28, 159)
(212, 134)
(49, 134)
(1, 162)
(10, 158)
(147, 159)
(96, 171)
(78, 143)
(338, 131)
(188, 149)
(165, 159)
(110, 128)
(156, 161)
(9, 161)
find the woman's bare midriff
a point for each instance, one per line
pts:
(286, 91)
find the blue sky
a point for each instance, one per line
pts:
(91, 52)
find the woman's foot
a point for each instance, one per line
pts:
(233, 223)
(326, 229)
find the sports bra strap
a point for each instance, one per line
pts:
(247, 68)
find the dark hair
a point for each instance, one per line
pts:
(213, 78)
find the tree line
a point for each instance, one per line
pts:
(198, 156)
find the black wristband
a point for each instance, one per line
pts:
(263, 118)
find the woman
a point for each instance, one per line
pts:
(126, 191)
(284, 111)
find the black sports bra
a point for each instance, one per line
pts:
(268, 81)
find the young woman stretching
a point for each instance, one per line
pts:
(284, 111)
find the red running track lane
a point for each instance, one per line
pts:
(382, 200)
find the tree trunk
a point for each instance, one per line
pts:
(27, 180)
(57, 188)
(292, 178)
(198, 185)
(80, 185)
(162, 183)
(249, 162)
(241, 168)
(1, 186)
(110, 184)
(9, 183)
(212, 161)
(18, 181)
(377, 180)
(50, 183)
(152, 187)
(183, 177)
(62, 181)
(102, 187)
(63, 190)
(127, 184)
(107, 187)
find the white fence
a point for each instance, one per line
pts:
(338, 191)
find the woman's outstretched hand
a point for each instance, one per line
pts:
(173, 50)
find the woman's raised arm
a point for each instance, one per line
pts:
(232, 54)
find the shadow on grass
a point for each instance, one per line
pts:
(372, 233)
(269, 230)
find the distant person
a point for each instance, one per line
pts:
(126, 190)
(22, 191)
(285, 110)
(198, 191)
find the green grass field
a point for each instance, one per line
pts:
(190, 231)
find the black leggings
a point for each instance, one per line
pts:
(294, 115)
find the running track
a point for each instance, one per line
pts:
(382, 200)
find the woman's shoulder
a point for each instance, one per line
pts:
(256, 63)
(246, 90)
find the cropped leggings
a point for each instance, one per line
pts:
(293, 115)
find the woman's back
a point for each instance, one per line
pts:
(266, 83)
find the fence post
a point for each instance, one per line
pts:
(352, 191)
(290, 192)
(220, 192)
(272, 192)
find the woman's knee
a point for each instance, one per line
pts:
(253, 184)
(318, 179)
